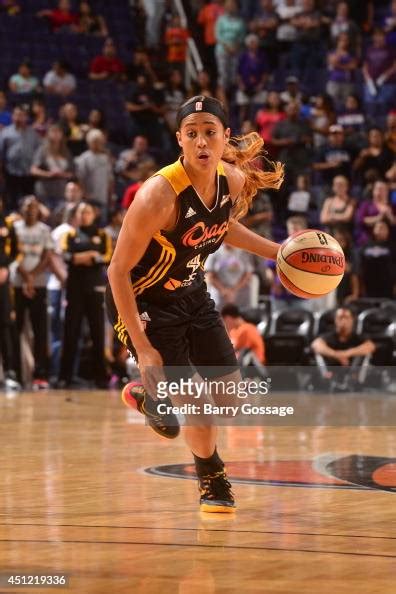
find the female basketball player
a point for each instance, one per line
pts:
(158, 302)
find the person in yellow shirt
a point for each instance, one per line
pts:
(243, 335)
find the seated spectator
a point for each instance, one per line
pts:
(390, 132)
(175, 95)
(374, 210)
(145, 105)
(342, 24)
(342, 346)
(379, 71)
(391, 178)
(348, 289)
(72, 197)
(39, 117)
(339, 209)
(107, 66)
(130, 159)
(90, 23)
(29, 279)
(74, 130)
(5, 114)
(353, 120)
(377, 269)
(292, 91)
(321, 117)
(140, 65)
(59, 80)
(267, 118)
(300, 198)
(203, 85)
(341, 64)
(11, 7)
(52, 167)
(253, 72)
(334, 158)
(229, 275)
(375, 158)
(97, 119)
(144, 170)
(23, 82)
(176, 37)
(260, 215)
(243, 335)
(389, 24)
(292, 137)
(61, 18)
(116, 217)
(95, 171)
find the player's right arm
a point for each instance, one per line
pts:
(153, 209)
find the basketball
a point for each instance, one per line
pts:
(310, 263)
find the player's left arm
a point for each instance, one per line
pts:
(240, 236)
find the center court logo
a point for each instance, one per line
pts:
(200, 233)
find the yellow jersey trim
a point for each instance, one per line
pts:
(160, 268)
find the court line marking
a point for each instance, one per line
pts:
(211, 546)
(205, 530)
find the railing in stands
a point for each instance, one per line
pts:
(194, 63)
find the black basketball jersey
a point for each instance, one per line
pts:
(173, 264)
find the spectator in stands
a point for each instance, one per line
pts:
(61, 18)
(86, 249)
(11, 7)
(207, 18)
(18, 143)
(300, 198)
(342, 24)
(267, 118)
(5, 114)
(229, 32)
(334, 158)
(130, 159)
(108, 65)
(244, 336)
(379, 71)
(321, 117)
(292, 137)
(24, 82)
(59, 80)
(29, 279)
(143, 171)
(176, 37)
(253, 73)
(229, 276)
(39, 117)
(52, 167)
(72, 197)
(8, 253)
(348, 289)
(339, 209)
(374, 210)
(141, 65)
(97, 120)
(116, 216)
(306, 50)
(74, 129)
(353, 121)
(203, 85)
(342, 345)
(286, 32)
(95, 171)
(375, 158)
(154, 10)
(292, 91)
(389, 24)
(145, 105)
(265, 23)
(260, 215)
(90, 23)
(390, 132)
(377, 263)
(342, 65)
(175, 95)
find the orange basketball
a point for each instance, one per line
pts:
(310, 263)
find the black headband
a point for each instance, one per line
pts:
(202, 104)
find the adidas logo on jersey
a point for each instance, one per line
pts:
(145, 317)
(224, 199)
(190, 213)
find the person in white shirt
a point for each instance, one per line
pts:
(59, 80)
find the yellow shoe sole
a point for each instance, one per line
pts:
(223, 509)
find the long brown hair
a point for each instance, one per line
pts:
(242, 151)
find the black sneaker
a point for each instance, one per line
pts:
(216, 494)
(135, 396)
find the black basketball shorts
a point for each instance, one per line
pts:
(187, 332)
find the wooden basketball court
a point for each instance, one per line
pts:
(76, 498)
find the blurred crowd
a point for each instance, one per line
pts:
(317, 80)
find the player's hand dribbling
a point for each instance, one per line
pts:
(151, 369)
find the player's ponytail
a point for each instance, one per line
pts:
(242, 151)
